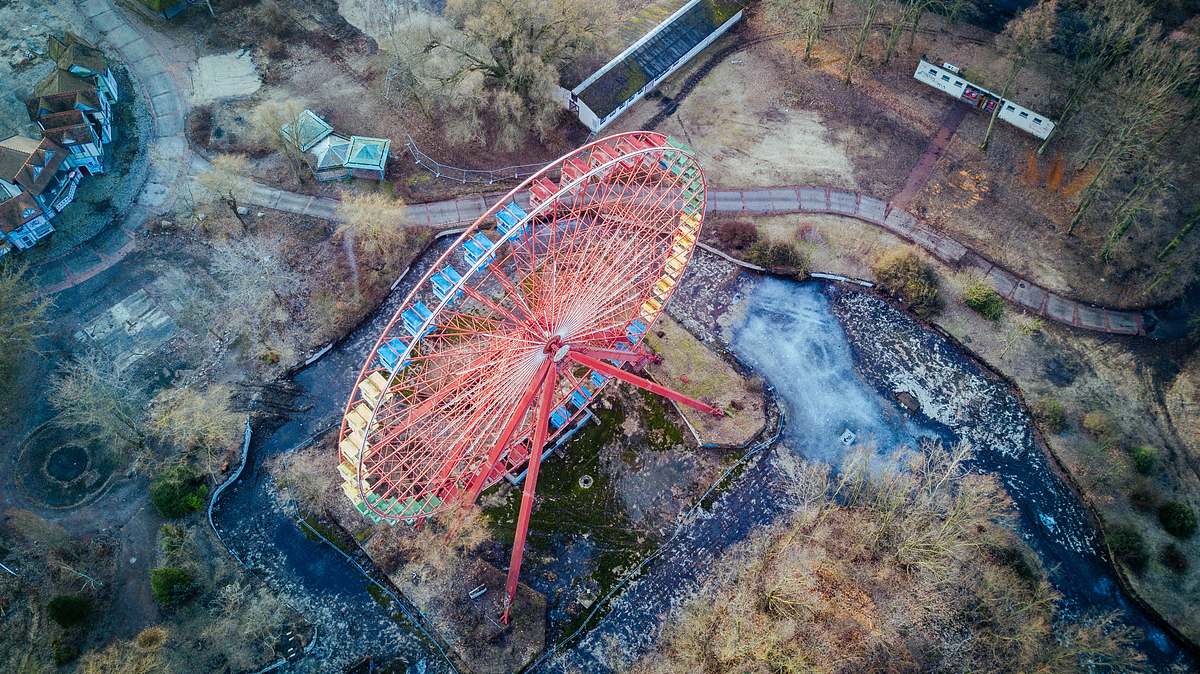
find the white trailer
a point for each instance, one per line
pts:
(949, 80)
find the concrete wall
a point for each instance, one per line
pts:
(653, 84)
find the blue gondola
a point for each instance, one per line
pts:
(579, 398)
(478, 248)
(635, 331)
(598, 379)
(510, 216)
(389, 354)
(443, 282)
(559, 417)
(414, 317)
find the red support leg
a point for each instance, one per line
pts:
(527, 493)
(658, 389)
(637, 358)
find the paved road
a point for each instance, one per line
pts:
(779, 200)
(797, 199)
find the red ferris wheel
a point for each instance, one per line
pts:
(516, 329)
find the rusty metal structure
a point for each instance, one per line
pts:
(509, 337)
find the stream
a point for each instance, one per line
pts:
(827, 352)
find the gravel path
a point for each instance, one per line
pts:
(782, 200)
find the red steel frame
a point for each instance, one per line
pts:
(587, 270)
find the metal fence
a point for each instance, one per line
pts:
(462, 175)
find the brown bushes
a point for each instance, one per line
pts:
(884, 569)
(904, 274)
(737, 235)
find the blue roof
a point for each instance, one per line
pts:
(311, 130)
(368, 153)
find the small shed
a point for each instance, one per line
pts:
(333, 156)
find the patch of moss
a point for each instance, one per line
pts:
(330, 534)
(567, 512)
(382, 598)
(661, 433)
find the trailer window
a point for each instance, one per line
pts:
(1024, 114)
(1010, 108)
(946, 77)
(932, 71)
(1037, 120)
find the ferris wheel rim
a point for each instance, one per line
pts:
(660, 145)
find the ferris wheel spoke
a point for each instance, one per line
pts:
(457, 426)
(517, 299)
(620, 283)
(413, 415)
(488, 304)
(518, 415)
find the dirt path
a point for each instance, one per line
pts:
(919, 175)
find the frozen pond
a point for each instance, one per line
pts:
(837, 358)
(791, 338)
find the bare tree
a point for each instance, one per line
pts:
(1138, 203)
(1146, 104)
(908, 17)
(305, 477)
(93, 397)
(374, 222)
(1024, 36)
(502, 57)
(268, 119)
(1112, 29)
(1180, 235)
(899, 566)
(800, 19)
(196, 421)
(225, 178)
(247, 623)
(870, 10)
(256, 280)
(958, 9)
(22, 319)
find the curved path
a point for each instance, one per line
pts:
(781, 200)
(167, 145)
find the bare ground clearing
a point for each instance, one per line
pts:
(761, 117)
(693, 369)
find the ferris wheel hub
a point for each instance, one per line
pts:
(561, 353)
